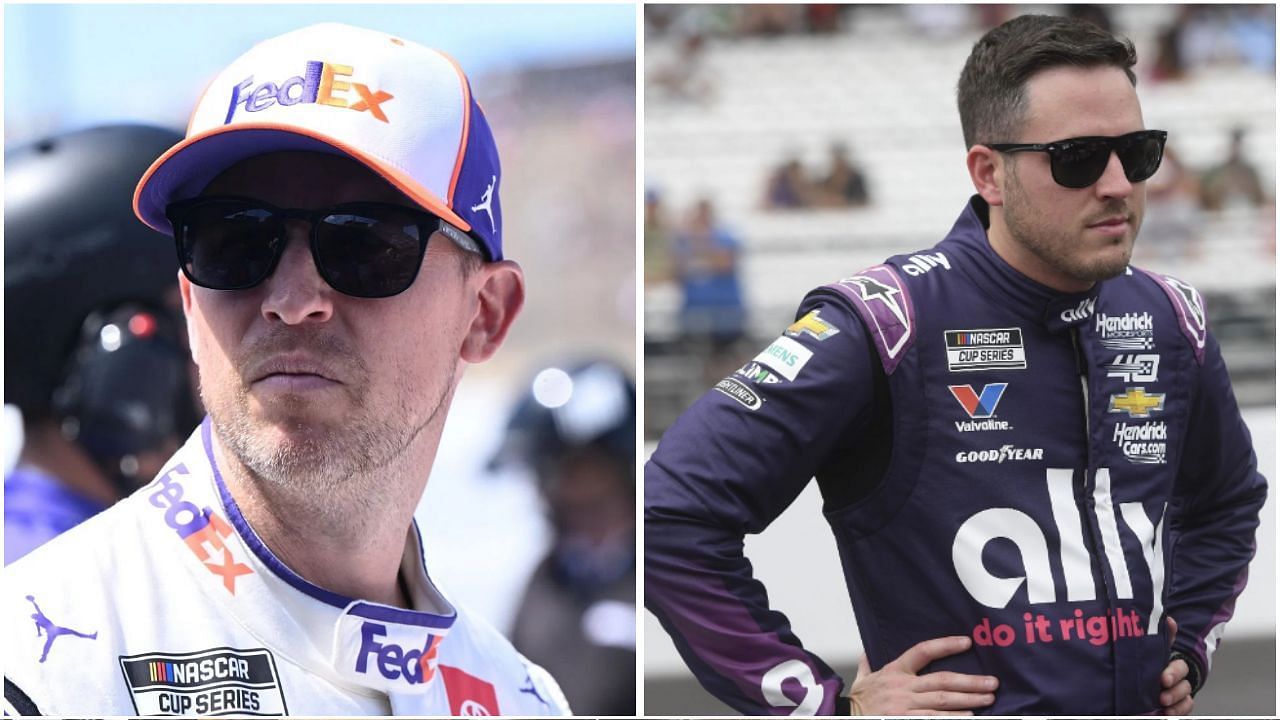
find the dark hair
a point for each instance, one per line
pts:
(469, 263)
(993, 85)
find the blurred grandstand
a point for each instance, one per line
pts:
(733, 92)
(796, 92)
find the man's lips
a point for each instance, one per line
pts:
(293, 372)
(1115, 225)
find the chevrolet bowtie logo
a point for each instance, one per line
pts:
(1137, 402)
(813, 325)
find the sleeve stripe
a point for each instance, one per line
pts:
(17, 701)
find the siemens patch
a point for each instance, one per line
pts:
(985, 349)
(785, 356)
(219, 681)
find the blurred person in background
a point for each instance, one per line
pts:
(95, 355)
(1030, 454)
(705, 256)
(339, 231)
(844, 185)
(789, 187)
(575, 429)
(657, 240)
(1233, 182)
(1174, 219)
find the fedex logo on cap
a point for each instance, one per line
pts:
(319, 83)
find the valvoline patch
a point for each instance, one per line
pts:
(979, 405)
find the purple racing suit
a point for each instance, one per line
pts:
(1050, 474)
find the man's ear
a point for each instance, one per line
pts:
(986, 170)
(184, 289)
(501, 295)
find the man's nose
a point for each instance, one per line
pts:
(295, 292)
(1113, 183)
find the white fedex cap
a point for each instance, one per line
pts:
(403, 110)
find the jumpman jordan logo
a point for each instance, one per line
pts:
(531, 689)
(486, 202)
(45, 626)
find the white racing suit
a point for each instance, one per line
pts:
(170, 604)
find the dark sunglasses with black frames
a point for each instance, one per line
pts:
(1079, 162)
(362, 249)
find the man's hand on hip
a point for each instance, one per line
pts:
(1175, 698)
(898, 689)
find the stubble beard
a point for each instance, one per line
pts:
(337, 473)
(1053, 245)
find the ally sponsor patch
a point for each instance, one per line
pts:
(217, 681)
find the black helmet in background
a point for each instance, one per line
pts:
(79, 266)
(569, 407)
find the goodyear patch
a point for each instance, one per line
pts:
(218, 681)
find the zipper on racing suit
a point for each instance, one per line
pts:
(1088, 500)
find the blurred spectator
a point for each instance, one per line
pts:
(788, 187)
(844, 185)
(939, 21)
(576, 430)
(1254, 29)
(1234, 182)
(95, 355)
(706, 263)
(683, 76)
(657, 240)
(1173, 218)
(769, 19)
(1168, 62)
(824, 18)
(1096, 14)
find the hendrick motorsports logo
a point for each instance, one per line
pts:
(1007, 452)
(986, 349)
(1142, 443)
(740, 392)
(1130, 331)
(219, 681)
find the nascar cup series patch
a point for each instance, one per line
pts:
(219, 681)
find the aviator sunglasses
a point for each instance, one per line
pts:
(362, 249)
(1079, 162)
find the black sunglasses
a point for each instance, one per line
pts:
(363, 249)
(1079, 162)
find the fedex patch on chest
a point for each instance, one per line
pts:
(218, 681)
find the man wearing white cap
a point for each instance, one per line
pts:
(335, 207)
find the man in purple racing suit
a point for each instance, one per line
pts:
(1029, 451)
